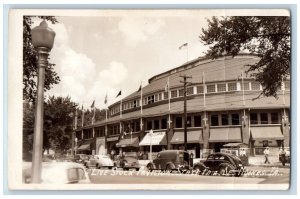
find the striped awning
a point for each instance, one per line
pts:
(225, 135)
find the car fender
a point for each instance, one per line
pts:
(151, 164)
(201, 165)
(170, 164)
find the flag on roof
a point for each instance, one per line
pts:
(120, 93)
(183, 45)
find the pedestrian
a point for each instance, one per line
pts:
(282, 156)
(267, 152)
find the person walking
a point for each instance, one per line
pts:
(282, 155)
(267, 152)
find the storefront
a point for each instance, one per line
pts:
(266, 136)
(194, 140)
(129, 143)
(100, 146)
(86, 147)
(111, 145)
(156, 140)
(218, 137)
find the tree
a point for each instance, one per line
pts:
(30, 70)
(58, 123)
(266, 37)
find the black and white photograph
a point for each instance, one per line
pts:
(149, 99)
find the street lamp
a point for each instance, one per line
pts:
(76, 140)
(42, 40)
(151, 134)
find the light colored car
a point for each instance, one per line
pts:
(58, 173)
(99, 161)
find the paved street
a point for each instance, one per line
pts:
(256, 175)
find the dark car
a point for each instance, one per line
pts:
(223, 163)
(129, 161)
(170, 160)
(81, 158)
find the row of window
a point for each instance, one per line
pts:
(215, 119)
(209, 88)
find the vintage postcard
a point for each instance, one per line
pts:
(145, 99)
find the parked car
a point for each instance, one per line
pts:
(129, 160)
(170, 160)
(224, 163)
(58, 173)
(80, 158)
(99, 161)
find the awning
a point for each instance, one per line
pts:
(225, 135)
(192, 137)
(133, 142)
(111, 139)
(235, 145)
(157, 138)
(84, 147)
(266, 133)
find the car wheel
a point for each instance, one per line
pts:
(98, 166)
(137, 169)
(169, 168)
(198, 170)
(150, 167)
(224, 170)
(109, 167)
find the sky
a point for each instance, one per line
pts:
(97, 56)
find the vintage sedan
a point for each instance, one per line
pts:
(99, 161)
(171, 160)
(129, 160)
(224, 163)
(58, 173)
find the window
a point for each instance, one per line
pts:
(253, 118)
(135, 103)
(178, 122)
(173, 93)
(137, 126)
(156, 124)
(189, 121)
(224, 119)
(235, 119)
(274, 118)
(197, 120)
(232, 87)
(150, 99)
(200, 89)
(149, 125)
(264, 118)
(159, 96)
(190, 91)
(221, 87)
(255, 86)
(246, 86)
(214, 120)
(166, 95)
(164, 123)
(181, 92)
(211, 88)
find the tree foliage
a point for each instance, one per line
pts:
(30, 69)
(266, 37)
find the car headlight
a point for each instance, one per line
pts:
(240, 165)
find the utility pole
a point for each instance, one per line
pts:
(185, 82)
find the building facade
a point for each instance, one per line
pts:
(223, 107)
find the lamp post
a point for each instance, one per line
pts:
(151, 134)
(42, 40)
(76, 140)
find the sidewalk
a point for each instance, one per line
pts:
(260, 161)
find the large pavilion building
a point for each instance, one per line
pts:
(223, 107)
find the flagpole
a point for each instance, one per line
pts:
(169, 102)
(141, 98)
